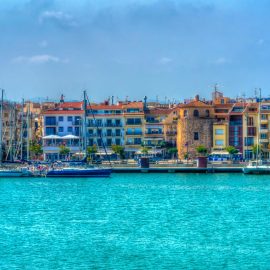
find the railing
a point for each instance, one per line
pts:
(133, 133)
(133, 124)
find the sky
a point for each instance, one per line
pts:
(164, 49)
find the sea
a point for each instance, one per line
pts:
(136, 221)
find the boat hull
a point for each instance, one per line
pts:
(256, 170)
(15, 174)
(80, 173)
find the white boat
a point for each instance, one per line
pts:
(23, 172)
(256, 167)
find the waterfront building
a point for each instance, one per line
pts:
(195, 127)
(105, 125)
(154, 133)
(62, 127)
(133, 126)
(170, 128)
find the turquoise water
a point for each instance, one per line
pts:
(136, 221)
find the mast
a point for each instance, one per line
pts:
(28, 131)
(84, 123)
(22, 126)
(1, 125)
(259, 127)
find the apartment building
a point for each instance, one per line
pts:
(105, 125)
(62, 126)
(133, 126)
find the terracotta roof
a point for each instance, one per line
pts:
(77, 104)
(106, 107)
(195, 104)
(159, 111)
(68, 112)
(135, 104)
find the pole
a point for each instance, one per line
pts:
(28, 131)
(84, 123)
(1, 126)
(22, 126)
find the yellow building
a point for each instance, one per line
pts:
(220, 136)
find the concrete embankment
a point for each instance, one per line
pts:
(177, 170)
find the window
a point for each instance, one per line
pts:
(263, 136)
(207, 113)
(222, 101)
(219, 142)
(60, 129)
(50, 131)
(185, 113)
(219, 131)
(249, 141)
(117, 132)
(196, 136)
(251, 131)
(70, 129)
(196, 113)
(77, 131)
(60, 118)
(117, 141)
(50, 121)
(250, 121)
(137, 141)
(109, 132)
(109, 142)
(264, 116)
(70, 118)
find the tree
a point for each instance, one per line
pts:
(201, 149)
(231, 150)
(35, 149)
(119, 150)
(256, 149)
(91, 151)
(64, 151)
(173, 151)
(145, 150)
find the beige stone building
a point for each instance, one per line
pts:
(195, 127)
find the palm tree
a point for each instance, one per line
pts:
(201, 149)
(231, 150)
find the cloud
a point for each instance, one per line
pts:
(164, 60)
(39, 59)
(58, 17)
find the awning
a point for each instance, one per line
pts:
(51, 137)
(70, 137)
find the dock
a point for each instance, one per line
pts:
(177, 170)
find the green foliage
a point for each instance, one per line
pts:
(201, 149)
(92, 150)
(145, 150)
(186, 156)
(35, 148)
(231, 150)
(173, 151)
(256, 148)
(63, 150)
(119, 150)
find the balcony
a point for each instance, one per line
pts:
(264, 121)
(265, 140)
(264, 130)
(153, 121)
(152, 134)
(133, 133)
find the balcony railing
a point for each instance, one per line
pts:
(133, 133)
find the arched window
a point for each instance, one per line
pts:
(207, 113)
(196, 113)
(185, 113)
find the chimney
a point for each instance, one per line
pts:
(197, 98)
(112, 100)
(62, 99)
(145, 103)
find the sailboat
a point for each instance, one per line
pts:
(257, 166)
(84, 171)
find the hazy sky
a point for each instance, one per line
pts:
(133, 48)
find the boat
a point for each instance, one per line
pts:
(79, 172)
(23, 172)
(256, 168)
